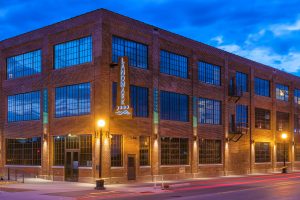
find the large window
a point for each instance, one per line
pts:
(73, 100)
(297, 123)
(74, 52)
(144, 150)
(23, 151)
(210, 151)
(297, 96)
(24, 65)
(262, 118)
(59, 151)
(86, 150)
(281, 150)
(137, 53)
(282, 92)
(209, 111)
(138, 99)
(297, 152)
(23, 107)
(282, 121)
(174, 151)
(174, 106)
(262, 87)
(241, 81)
(116, 151)
(262, 152)
(208, 73)
(241, 117)
(173, 64)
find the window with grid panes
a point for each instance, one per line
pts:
(24, 64)
(262, 152)
(241, 115)
(297, 96)
(23, 107)
(137, 53)
(210, 151)
(297, 152)
(280, 152)
(73, 100)
(209, 111)
(174, 106)
(173, 64)
(282, 92)
(241, 81)
(85, 150)
(262, 118)
(59, 151)
(72, 142)
(209, 73)
(174, 151)
(297, 123)
(72, 53)
(144, 150)
(23, 151)
(262, 87)
(116, 151)
(282, 121)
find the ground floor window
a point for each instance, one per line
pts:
(297, 152)
(174, 151)
(262, 152)
(23, 151)
(116, 151)
(86, 151)
(280, 150)
(144, 150)
(210, 151)
(59, 151)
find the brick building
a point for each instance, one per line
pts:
(197, 111)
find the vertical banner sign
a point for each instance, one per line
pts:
(155, 106)
(195, 113)
(45, 106)
(123, 109)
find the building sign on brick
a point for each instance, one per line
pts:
(123, 108)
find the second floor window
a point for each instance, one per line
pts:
(73, 100)
(173, 64)
(208, 73)
(137, 53)
(174, 106)
(262, 118)
(74, 52)
(24, 65)
(297, 96)
(241, 81)
(23, 107)
(282, 121)
(241, 117)
(262, 87)
(282, 92)
(209, 111)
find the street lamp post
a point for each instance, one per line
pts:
(100, 182)
(284, 136)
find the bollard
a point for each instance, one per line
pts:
(100, 184)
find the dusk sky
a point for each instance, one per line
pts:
(263, 31)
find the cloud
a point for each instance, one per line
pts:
(281, 29)
(218, 39)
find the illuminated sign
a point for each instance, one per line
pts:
(123, 109)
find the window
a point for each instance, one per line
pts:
(241, 81)
(144, 150)
(262, 152)
(174, 106)
(86, 150)
(74, 52)
(137, 53)
(173, 64)
(282, 92)
(24, 65)
(209, 111)
(23, 107)
(210, 151)
(297, 123)
(174, 151)
(138, 99)
(241, 117)
(262, 87)
(282, 121)
(72, 100)
(23, 151)
(281, 147)
(116, 151)
(59, 151)
(262, 118)
(297, 96)
(208, 73)
(297, 152)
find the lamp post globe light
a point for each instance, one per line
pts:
(284, 137)
(100, 126)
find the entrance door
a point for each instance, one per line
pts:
(131, 167)
(71, 165)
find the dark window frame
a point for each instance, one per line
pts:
(261, 120)
(282, 92)
(262, 152)
(116, 158)
(167, 66)
(210, 151)
(215, 112)
(144, 149)
(262, 87)
(174, 151)
(209, 73)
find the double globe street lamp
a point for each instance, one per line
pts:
(99, 133)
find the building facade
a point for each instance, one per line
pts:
(197, 111)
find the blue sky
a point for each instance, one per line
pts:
(264, 31)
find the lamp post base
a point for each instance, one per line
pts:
(284, 170)
(100, 184)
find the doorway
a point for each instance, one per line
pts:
(71, 165)
(131, 168)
